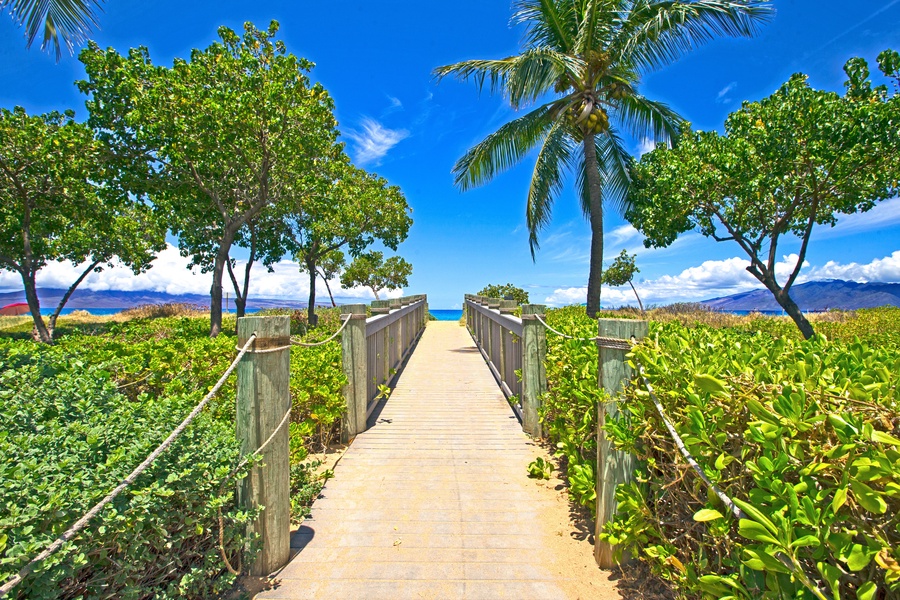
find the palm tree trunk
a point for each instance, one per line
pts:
(595, 196)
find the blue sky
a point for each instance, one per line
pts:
(376, 59)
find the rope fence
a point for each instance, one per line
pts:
(605, 342)
(95, 510)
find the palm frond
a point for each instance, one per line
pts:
(547, 181)
(549, 23)
(658, 32)
(503, 148)
(66, 22)
(596, 21)
(536, 72)
(615, 163)
(521, 79)
(645, 118)
(494, 71)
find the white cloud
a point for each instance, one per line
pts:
(710, 279)
(721, 96)
(170, 274)
(375, 140)
(880, 269)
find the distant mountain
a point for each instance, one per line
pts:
(87, 299)
(816, 295)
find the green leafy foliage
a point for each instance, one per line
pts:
(58, 204)
(540, 468)
(803, 435)
(505, 292)
(76, 417)
(794, 160)
(215, 141)
(375, 272)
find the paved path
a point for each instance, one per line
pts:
(434, 500)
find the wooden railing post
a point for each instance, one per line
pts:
(534, 374)
(613, 466)
(353, 344)
(263, 398)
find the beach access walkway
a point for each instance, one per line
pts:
(433, 500)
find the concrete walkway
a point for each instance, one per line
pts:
(434, 500)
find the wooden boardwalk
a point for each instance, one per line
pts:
(433, 501)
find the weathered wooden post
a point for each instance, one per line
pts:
(534, 373)
(263, 400)
(493, 329)
(353, 345)
(613, 466)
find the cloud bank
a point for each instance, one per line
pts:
(169, 274)
(714, 278)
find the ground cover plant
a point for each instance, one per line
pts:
(804, 435)
(77, 416)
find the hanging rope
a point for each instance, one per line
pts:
(345, 318)
(93, 512)
(605, 342)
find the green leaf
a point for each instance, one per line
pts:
(763, 561)
(867, 591)
(756, 514)
(707, 514)
(710, 384)
(859, 557)
(868, 498)
(885, 438)
(756, 532)
(840, 498)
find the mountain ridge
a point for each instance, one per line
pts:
(815, 296)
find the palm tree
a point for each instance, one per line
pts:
(70, 20)
(582, 62)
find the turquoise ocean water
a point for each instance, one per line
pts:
(442, 314)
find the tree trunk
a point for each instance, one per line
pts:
(311, 315)
(641, 304)
(215, 292)
(34, 305)
(791, 308)
(328, 287)
(595, 196)
(68, 294)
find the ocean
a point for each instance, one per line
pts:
(443, 314)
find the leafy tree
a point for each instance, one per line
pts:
(791, 161)
(216, 140)
(352, 211)
(372, 271)
(70, 20)
(53, 206)
(587, 57)
(621, 272)
(508, 291)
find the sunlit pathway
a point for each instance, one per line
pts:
(434, 500)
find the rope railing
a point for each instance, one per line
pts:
(95, 510)
(606, 342)
(344, 318)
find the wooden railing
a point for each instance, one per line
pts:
(374, 348)
(514, 349)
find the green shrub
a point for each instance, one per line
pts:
(76, 417)
(802, 434)
(67, 437)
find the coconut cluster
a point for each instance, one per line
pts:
(588, 116)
